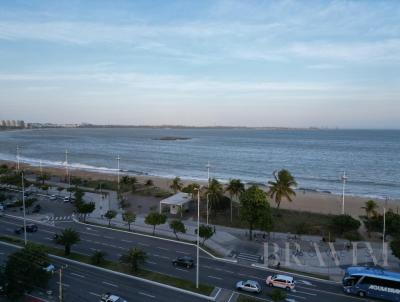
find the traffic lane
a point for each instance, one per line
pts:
(81, 283)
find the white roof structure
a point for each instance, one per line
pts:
(179, 199)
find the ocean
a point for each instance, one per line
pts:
(317, 158)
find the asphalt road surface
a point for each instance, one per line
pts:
(162, 252)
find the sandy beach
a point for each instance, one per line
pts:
(309, 201)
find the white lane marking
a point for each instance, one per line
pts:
(48, 238)
(108, 237)
(179, 269)
(77, 275)
(305, 282)
(230, 272)
(90, 234)
(162, 248)
(127, 241)
(213, 277)
(300, 297)
(151, 262)
(94, 294)
(143, 244)
(147, 295)
(230, 298)
(93, 249)
(46, 231)
(110, 284)
(63, 284)
(180, 252)
(311, 294)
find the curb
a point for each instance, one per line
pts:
(184, 291)
(155, 237)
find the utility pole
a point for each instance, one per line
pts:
(208, 183)
(23, 204)
(60, 288)
(198, 237)
(344, 179)
(384, 230)
(17, 158)
(118, 159)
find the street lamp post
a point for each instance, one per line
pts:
(17, 158)
(384, 229)
(198, 237)
(23, 204)
(344, 179)
(208, 183)
(118, 159)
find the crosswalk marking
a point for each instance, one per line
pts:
(248, 257)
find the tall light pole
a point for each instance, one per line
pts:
(41, 168)
(208, 183)
(118, 159)
(17, 158)
(23, 203)
(198, 237)
(384, 229)
(344, 179)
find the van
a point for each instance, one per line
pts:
(281, 281)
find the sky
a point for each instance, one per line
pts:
(210, 62)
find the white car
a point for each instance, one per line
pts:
(50, 268)
(53, 197)
(108, 297)
(249, 286)
(281, 281)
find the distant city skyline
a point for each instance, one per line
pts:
(225, 63)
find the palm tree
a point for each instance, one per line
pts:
(214, 192)
(282, 187)
(370, 208)
(235, 188)
(97, 257)
(43, 178)
(176, 184)
(68, 238)
(132, 258)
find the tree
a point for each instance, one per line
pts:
(85, 208)
(206, 232)
(235, 188)
(133, 258)
(155, 219)
(110, 214)
(370, 208)
(255, 209)
(98, 258)
(191, 189)
(176, 184)
(149, 183)
(344, 223)
(24, 271)
(43, 177)
(395, 246)
(78, 195)
(68, 238)
(177, 226)
(129, 217)
(215, 193)
(282, 187)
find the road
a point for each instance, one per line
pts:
(87, 284)
(161, 252)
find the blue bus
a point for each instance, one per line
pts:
(372, 282)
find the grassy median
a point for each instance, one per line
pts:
(116, 266)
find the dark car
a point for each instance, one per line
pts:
(37, 208)
(30, 228)
(184, 261)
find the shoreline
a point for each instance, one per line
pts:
(305, 200)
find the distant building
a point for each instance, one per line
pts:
(12, 124)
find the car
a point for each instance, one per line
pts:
(53, 197)
(30, 228)
(37, 208)
(185, 261)
(67, 199)
(249, 286)
(108, 297)
(281, 281)
(50, 268)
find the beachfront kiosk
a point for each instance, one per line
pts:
(175, 203)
